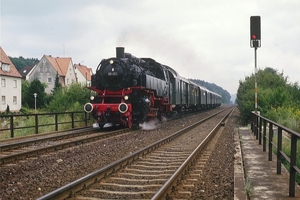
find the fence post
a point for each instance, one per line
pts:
(292, 164)
(259, 130)
(56, 122)
(279, 148)
(36, 124)
(12, 134)
(264, 136)
(256, 126)
(72, 114)
(85, 116)
(270, 140)
(252, 122)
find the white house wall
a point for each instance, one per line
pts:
(44, 72)
(70, 76)
(81, 79)
(9, 91)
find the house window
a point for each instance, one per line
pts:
(41, 69)
(3, 82)
(14, 83)
(5, 67)
(15, 100)
(49, 80)
(48, 69)
(3, 101)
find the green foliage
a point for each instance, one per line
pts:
(7, 111)
(57, 85)
(275, 95)
(286, 116)
(25, 93)
(70, 98)
(21, 62)
(28, 90)
(217, 89)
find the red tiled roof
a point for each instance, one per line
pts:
(60, 64)
(12, 69)
(85, 71)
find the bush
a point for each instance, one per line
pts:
(70, 98)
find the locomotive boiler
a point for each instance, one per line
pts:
(131, 90)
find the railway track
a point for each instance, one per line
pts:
(152, 172)
(21, 148)
(39, 145)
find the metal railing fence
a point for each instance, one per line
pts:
(37, 121)
(259, 127)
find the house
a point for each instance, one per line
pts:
(49, 67)
(25, 72)
(83, 74)
(10, 88)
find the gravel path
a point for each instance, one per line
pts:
(218, 179)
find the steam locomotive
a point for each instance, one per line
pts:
(131, 90)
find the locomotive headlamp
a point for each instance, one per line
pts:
(92, 98)
(126, 97)
(148, 101)
(88, 107)
(111, 62)
(123, 107)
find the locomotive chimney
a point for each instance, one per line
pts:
(120, 52)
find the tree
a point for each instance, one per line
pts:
(21, 62)
(57, 85)
(71, 98)
(25, 93)
(41, 99)
(274, 92)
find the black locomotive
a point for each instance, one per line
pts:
(132, 90)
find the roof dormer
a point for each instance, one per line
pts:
(5, 67)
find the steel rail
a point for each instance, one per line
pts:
(70, 189)
(26, 154)
(62, 135)
(164, 191)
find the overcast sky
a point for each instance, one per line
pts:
(200, 39)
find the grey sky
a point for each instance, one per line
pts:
(200, 39)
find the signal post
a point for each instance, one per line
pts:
(255, 42)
